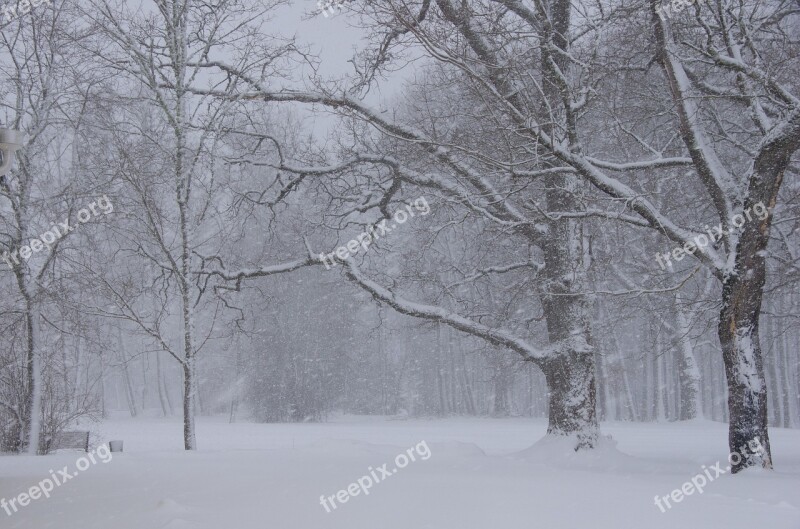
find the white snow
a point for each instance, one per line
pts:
(482, 473)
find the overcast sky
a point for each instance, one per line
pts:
(334, 39)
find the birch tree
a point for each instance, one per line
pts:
(160, 50)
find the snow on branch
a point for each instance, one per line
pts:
(498, 212)
(581, 164)
(591, 212)
(719, 183)
(477, 274)
(249, 273)
(494, 336)
(404, 132)
(500, 337)
(636, 166)
(643, 207)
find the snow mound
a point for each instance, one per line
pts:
(167, 506)
(559, 451)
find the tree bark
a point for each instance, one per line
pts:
(742, 296)
(571, 401)
(33, 374)
(570, 373)
(744, 370)
(691, 405)
(189, 440)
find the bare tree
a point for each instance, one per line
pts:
(46, 98)
(162, 55)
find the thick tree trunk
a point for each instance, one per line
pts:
(742, 293)
(744, 369)
(572, 387)
(570, 373)
(571, 406)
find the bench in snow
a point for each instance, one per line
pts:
(70, 441)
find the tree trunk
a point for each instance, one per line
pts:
(33, 374)
(571, 405)
(785, 371)
(500, 383)
(622, 372)
(189, 440)
(160, 384)
(660, 386)
(742, 295)
(691, 405)
(744, 367)
(605, 402)
(130, 395)
(570, 372)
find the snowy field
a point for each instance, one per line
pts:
(481, 473)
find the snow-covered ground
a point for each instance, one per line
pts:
(481, 473)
